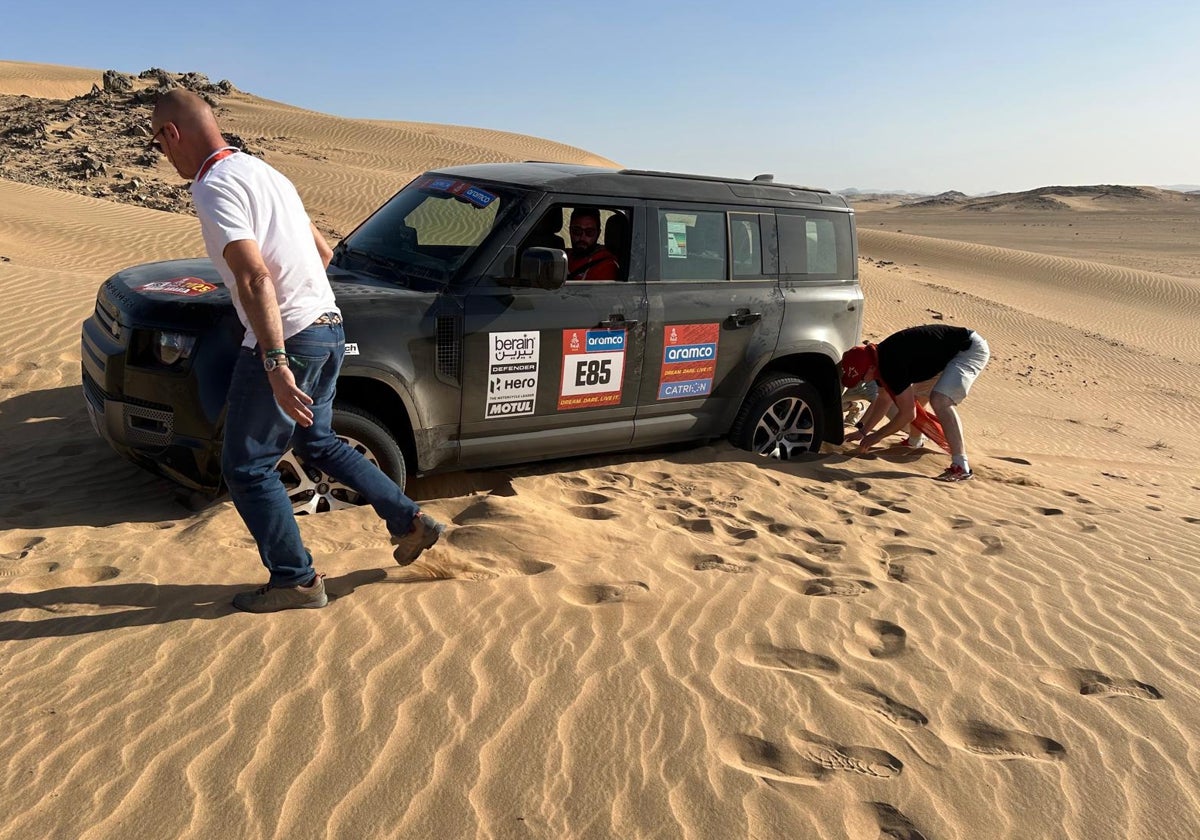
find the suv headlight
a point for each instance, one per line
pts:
(171, 347)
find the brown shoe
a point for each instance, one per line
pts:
(425, 532)
(275, 598)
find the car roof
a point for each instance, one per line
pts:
(637, 183)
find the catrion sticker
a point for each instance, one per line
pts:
(188, 286)
(689, 360)
(351, 348)
(512, 374)
(593, 369)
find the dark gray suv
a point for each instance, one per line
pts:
(470, 343)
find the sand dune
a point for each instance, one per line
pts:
(690, 643)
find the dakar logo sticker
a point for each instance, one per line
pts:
(186, 286)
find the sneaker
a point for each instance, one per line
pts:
(424, 533)
(956, 473)
(269, 598)
(915, 442)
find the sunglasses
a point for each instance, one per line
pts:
(154, 145)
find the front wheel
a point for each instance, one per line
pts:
(782, 417)
(315, 491)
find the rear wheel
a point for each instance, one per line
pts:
(314, 491)
(782, 417)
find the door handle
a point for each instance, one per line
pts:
(617, 321)
(744, 318)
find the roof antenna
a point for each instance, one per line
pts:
(764, 177)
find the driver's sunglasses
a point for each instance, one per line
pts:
(584, 231)
(154, 145)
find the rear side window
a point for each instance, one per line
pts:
(815, 245)
(746, 244)
(692, 245)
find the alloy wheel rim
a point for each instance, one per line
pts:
(786, 429)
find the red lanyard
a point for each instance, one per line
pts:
(212, 159)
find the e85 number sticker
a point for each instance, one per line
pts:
(593, 368)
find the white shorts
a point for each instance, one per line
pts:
(960, 374)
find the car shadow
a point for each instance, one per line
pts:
(56, 471)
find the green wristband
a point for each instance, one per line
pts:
(279, 352)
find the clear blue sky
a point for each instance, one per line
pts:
(927, 96)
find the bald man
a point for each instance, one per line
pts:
(273, 261)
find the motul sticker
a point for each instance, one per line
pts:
(593, 368)
(187, 286)
(689, 361)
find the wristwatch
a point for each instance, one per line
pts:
(272, 362)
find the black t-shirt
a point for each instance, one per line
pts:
(919, 353)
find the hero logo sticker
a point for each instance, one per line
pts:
(512, 374)
(593, 368)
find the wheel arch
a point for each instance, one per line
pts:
(381, 400)
(821, 371)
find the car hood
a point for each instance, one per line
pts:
(191, 293)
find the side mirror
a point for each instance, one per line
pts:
(543, 268)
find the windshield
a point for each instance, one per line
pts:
(428, 230)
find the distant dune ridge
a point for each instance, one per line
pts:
(688, 643)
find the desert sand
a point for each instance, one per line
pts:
(687, 643)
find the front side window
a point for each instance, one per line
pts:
(429, 229)
(691, 245)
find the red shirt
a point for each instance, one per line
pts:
(600, 264)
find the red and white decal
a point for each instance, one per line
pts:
(187, 286)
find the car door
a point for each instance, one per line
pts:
(553, 373)
(715, 310)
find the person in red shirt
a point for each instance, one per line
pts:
(587, 259)
(954, 355)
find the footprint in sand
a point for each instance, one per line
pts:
(435, 566)
(958, 523)
(991, 544)
(587, 497)
(1005, 744)
(714, 562)
(863, 761)
(838, 587)
(790, 659)
(807, 565)
(596, 514)
(1192, 520)
(58, 579)
(22, 552)
(893, 825)
(1020, 461)
(1096, 684)
(595, 594)
(882, 639)
(27, 569)
(768, 760)
(895, 712)
(1049, 511)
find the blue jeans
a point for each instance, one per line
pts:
(257, 433)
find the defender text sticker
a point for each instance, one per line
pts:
(512, 374)
(593, 368)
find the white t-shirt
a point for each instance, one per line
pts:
(241, 197)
